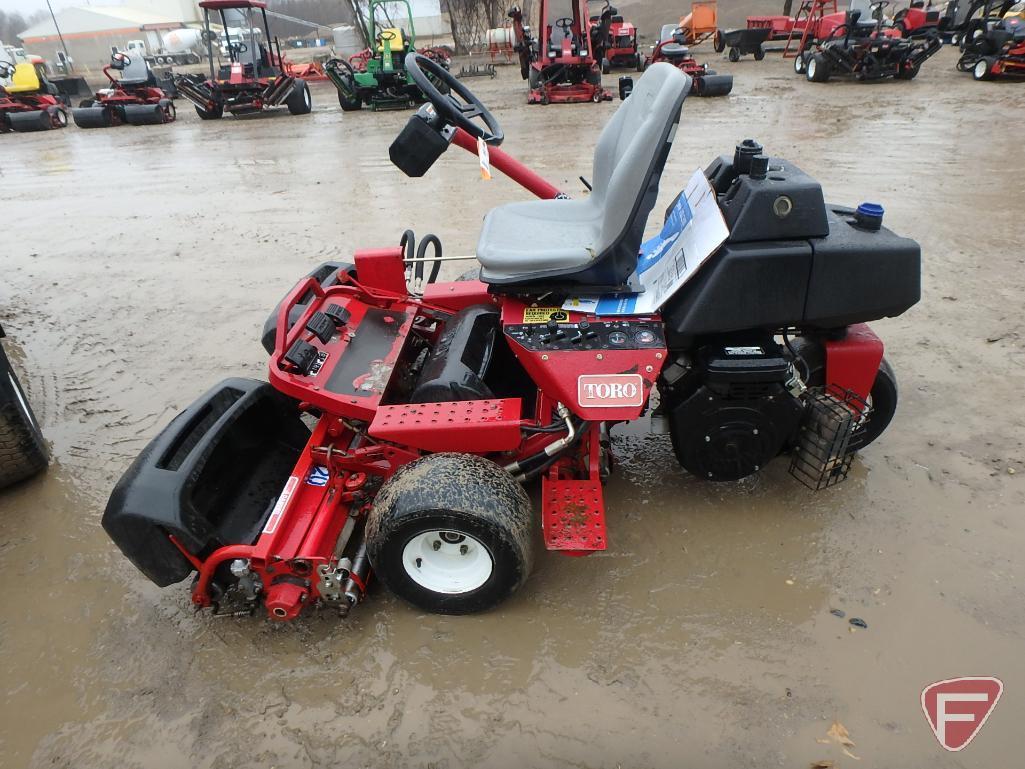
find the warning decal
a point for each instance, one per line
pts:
(544, 314)
(279, 508)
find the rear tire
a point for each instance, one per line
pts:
(349, 105)
(818, 69)
(983, 69)
(299, 102)
(759, 53)
(718, 43)
(734, 55)
(882, 396)
(451, 534)
(23, 451)
(58, 117)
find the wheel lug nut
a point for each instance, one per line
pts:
(463, 549)
(437, 544)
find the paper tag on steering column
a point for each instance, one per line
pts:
(485, 159)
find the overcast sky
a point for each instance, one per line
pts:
(27, 7)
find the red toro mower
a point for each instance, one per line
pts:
(672, 50)
(866, 51)
(917, 18)
(400, 425)
(134, 98)
(994, 45)
(28, 102)
(620, 44)
(563, 64)
(255, 78)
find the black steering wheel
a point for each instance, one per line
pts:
(459, 107)
(6, 69)
(120, 60)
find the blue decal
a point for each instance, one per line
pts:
(318, 476)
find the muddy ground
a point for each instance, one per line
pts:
(139, 264)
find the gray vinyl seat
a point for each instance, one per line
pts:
(593, 241)
(137, 72)
(671, 48)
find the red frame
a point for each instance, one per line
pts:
(312, 513)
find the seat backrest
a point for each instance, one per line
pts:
(629, 158)
(25, 80)
(137, 70)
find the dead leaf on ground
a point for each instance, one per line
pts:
(838, 733)
(822, 765)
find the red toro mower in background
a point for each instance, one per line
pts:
(866, 50)
(620, 46)
(28, 102)
(672, 50)
(254, 78)
(403, 418)
(134, 98)
(917, 18)
(994, 44)
(563, 64)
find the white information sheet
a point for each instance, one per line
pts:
(692, 233)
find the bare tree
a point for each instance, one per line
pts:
(470, 20)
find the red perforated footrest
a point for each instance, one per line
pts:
(573, 516)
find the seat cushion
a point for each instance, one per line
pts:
(528, 240)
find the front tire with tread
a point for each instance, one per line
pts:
(23, 452)
(461, 495)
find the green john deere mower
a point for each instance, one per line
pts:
(377, 76)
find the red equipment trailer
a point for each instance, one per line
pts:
(29, 102)
(134, 98)
(563, 65)
(432, 407)
(255, 77)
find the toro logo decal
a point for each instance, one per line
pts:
(610, 390)
(957, 708)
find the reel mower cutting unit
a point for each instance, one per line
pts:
(564, 64)
(378, 76)
(672, 50)
(134, 98)
(866, 51)
(254, 79)
(402, 419)
(28, 102)
(993, 45)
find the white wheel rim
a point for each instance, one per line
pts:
(980, 68)
(812, 66)
(797, 64)
(446, 561)
(306, 96)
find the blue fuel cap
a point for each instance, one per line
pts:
(869, 216)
